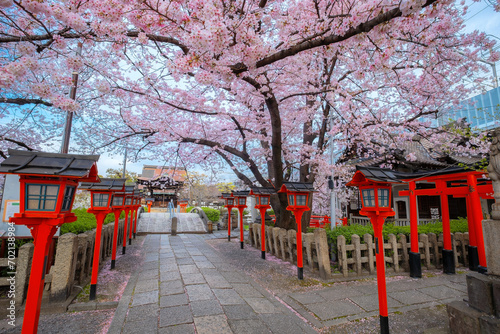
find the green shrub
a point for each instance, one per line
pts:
(212, 214)
(86, 221)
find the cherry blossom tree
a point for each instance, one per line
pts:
(262, 86)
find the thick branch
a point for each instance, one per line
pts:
(21, 101)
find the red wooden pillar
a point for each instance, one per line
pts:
(300, 265)
(241, 226)
(115, 237)
(415, 264)
(42, 233)
(447, 253)
(263, 233)
(229, 209)
(135, 221)
(125, 232)
(97, 251)
(131, 226)
(478, 218)
(472, 248)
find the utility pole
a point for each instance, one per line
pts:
(69, 114)
(331, 185)
(124, 164)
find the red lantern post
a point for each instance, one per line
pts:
(298, 197)
(241, 201)
(126, 207)
(137, 206)
(376, 202)
(117, 207)
(48, 183)
(229, 205)
(149, 202)
(263, 200)
(100, 206)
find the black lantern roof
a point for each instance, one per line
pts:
(262, 191)
(129, 188)
(105, 184)
(51, 164)
(150, 199)
(299, 186)
(241, 193)
(226, 195)
(377, 174)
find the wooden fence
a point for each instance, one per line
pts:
(358, 258)
(362, 220)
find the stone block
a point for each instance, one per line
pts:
(491, 233)
(479, 289)
(322, 252)
(496, 296)
(489, 325)
(64, 267)
(463, 319)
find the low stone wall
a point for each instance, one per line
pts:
(72, 265)
(358, 258)
(283, 244)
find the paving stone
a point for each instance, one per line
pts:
(171, 288)
(239, 312)
(411, 297)
(146, 285)
(212, 324)
(262, 305)
(206, 307)
(177, 329)
(370, 302)
(174, 300)
(308, 298)
(217, 281)
(246, 290)
(175, 315)
(204, 265)
(228, 297)
(169, 276)
(188, 269)
(141, 312)
(285, 324)
(185, 260)
(199, 292)
(327, 310)
(441, 292)
(141, 327)
(199, 258)
(149, 274)
(144, 298)
(193, 279)
(254, 326)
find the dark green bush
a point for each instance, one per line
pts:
(212, 214)
(86, 221)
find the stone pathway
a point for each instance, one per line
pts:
(160, 222)
(186, 287)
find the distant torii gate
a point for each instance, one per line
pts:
(456, 182)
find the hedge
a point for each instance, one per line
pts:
(86, 222)
(456, 225)
(212, 214)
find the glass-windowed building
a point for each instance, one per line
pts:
(481, 111)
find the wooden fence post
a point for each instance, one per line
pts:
(342, 255)
(355, 241)
(393, 241)
(368, 238)
(23, 269)
(405, 258)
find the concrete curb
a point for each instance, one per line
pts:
(123, 304)
(91, 306)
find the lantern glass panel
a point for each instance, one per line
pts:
(117, 201)
(368, 197)
(264, 200)
(383, 198)
(230, 201)
(128, 201)
(242, 201)
(291, 200)
(100, 200)
(41, 197)
(301, 200)
(69, 193)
